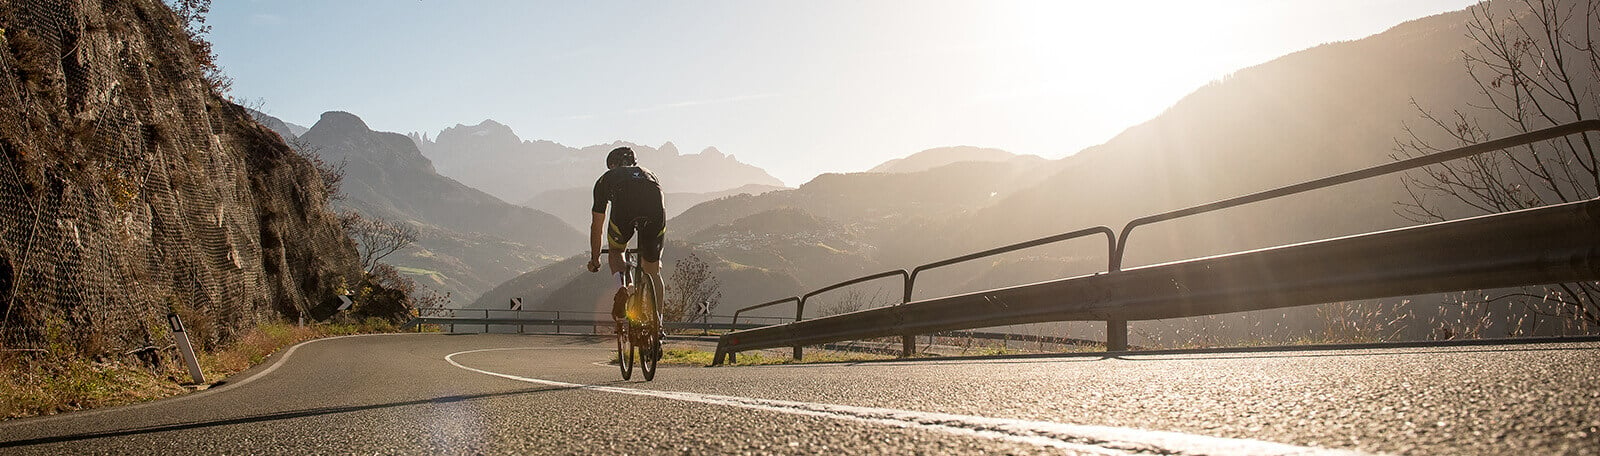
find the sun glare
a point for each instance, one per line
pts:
(1052, 56)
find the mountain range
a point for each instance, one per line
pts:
(468, 240)
(490, 156)
(573, 205)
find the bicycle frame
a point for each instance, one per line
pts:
(641, 326)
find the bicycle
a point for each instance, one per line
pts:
(639, 331)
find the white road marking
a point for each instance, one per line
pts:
(1099, 440)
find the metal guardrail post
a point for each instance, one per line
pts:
(799, 314)
(1116, 335)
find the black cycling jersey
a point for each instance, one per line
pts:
(635, 198)
(632, 191)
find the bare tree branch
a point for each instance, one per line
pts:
(1528, 68)
(377, 237)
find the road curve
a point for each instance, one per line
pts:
(433, 393)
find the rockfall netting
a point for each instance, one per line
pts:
(128, 189)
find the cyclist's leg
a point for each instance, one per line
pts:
(617, 239)
(654, 269)
(652, 242)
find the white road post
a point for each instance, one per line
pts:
(185, 348)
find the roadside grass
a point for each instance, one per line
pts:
(46, 383)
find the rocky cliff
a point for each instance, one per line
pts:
(130, 188)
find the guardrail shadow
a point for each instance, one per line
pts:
(1264, 352)
(1351, 350)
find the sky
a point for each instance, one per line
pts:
(798, 88)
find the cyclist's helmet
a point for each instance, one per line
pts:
(621, 156)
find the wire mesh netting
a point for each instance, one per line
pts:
(129, 190)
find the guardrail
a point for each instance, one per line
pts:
(595, 321)
(909, 280)
(1551, 244)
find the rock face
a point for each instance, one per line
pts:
(130, 189)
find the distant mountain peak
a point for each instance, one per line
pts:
(341, 121)
(712, 151)
(485, 134)
(488, 127)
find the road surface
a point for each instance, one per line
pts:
(483, 393)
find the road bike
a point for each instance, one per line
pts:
(639, 332)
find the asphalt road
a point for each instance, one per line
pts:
(431, 393)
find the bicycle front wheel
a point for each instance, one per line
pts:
(625, 349)
(650, 343)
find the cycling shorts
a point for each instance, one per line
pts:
(652, 236)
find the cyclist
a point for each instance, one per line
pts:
(635, 198)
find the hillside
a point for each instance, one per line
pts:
(135, 189)
(1289, 120)
(934, 158)
(567, 286)
(491, 157)
(470, 240)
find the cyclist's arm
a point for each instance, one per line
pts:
(596, 230)
(598, 225)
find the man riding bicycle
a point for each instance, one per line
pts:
(635, 198)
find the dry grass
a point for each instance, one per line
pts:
(38, 383)
(45, 385)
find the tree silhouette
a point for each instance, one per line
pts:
(692, 283)
(1535, 64)
(377, 237)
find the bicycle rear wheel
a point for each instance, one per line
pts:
(650, 346)
(625, 349)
